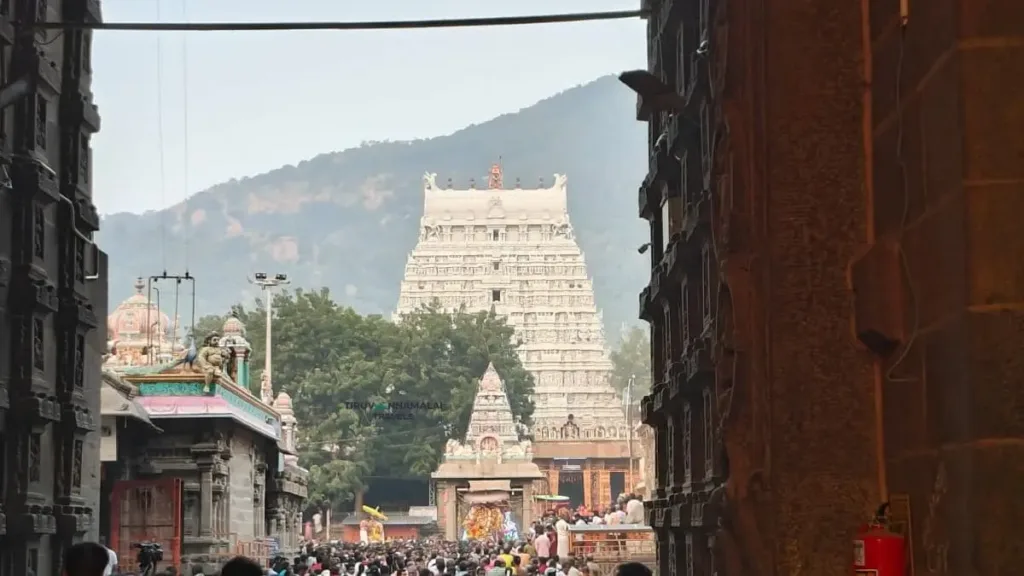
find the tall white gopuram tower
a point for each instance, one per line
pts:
(514, 250)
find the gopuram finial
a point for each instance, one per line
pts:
(495, 182)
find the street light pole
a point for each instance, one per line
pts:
(267, 284)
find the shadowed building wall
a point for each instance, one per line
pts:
(837, 280)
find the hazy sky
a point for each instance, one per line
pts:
(260, 100)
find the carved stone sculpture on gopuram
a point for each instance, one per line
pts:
(514, 251)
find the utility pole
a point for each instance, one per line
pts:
(267, 284)
(629, 426)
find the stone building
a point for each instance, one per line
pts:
(491, 465)
(836, 288)
(222, 477)
(513, 251)
(52, 289)
(125, 428)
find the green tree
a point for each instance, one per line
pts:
(206, 325)
(442, 357)
(335, 363)
(632, 358)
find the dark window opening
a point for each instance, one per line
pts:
(496, 265)
(495, 295)
(494, 235)
(41, 122)
(617, 483)
(571, 484)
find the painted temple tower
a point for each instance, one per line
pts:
(514, 251)
(491, 468)
(222, 473)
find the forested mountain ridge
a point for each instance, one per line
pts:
(348, 220)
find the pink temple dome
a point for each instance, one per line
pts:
(129, 320)
(283, 400)
(233, 327)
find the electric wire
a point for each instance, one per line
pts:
(342, 26)
(184, 107)
(49, 41)
(160, 140)
(901, 163)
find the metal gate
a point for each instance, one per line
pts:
(146, 511)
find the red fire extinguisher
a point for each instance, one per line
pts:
(877, 551)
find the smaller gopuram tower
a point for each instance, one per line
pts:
(490, 465)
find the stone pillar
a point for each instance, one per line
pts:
(206, 501)
(604, 482)
(588, 476)
(450, 502)
(527, 504)
(553, 479)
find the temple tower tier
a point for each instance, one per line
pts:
(514, 251)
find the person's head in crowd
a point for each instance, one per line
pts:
(241, 566)
(632, 569)
(86, 559)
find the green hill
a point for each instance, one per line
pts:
(347, 220)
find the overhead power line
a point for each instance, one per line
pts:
(382, 25)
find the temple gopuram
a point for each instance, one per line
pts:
(513, 250)
(221, 477)
(485, 484)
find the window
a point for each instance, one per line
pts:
(495, 235)
(705, 16)
(670, 453)
(683, 187)
(689, 554)
(41, 121)
(35, 455)
(705, 283)
(709, 434)
(495, 295)
(496, 265)
(686, 456)
(666, 224)
(684, 316)
(682, 62)
(705, 135)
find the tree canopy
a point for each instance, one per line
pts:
(632, 357)
(337, 364)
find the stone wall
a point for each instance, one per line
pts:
(241, 478)
(944, 274)
(867, 182)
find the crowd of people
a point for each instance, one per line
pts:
(542, 550)
(395, 558)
